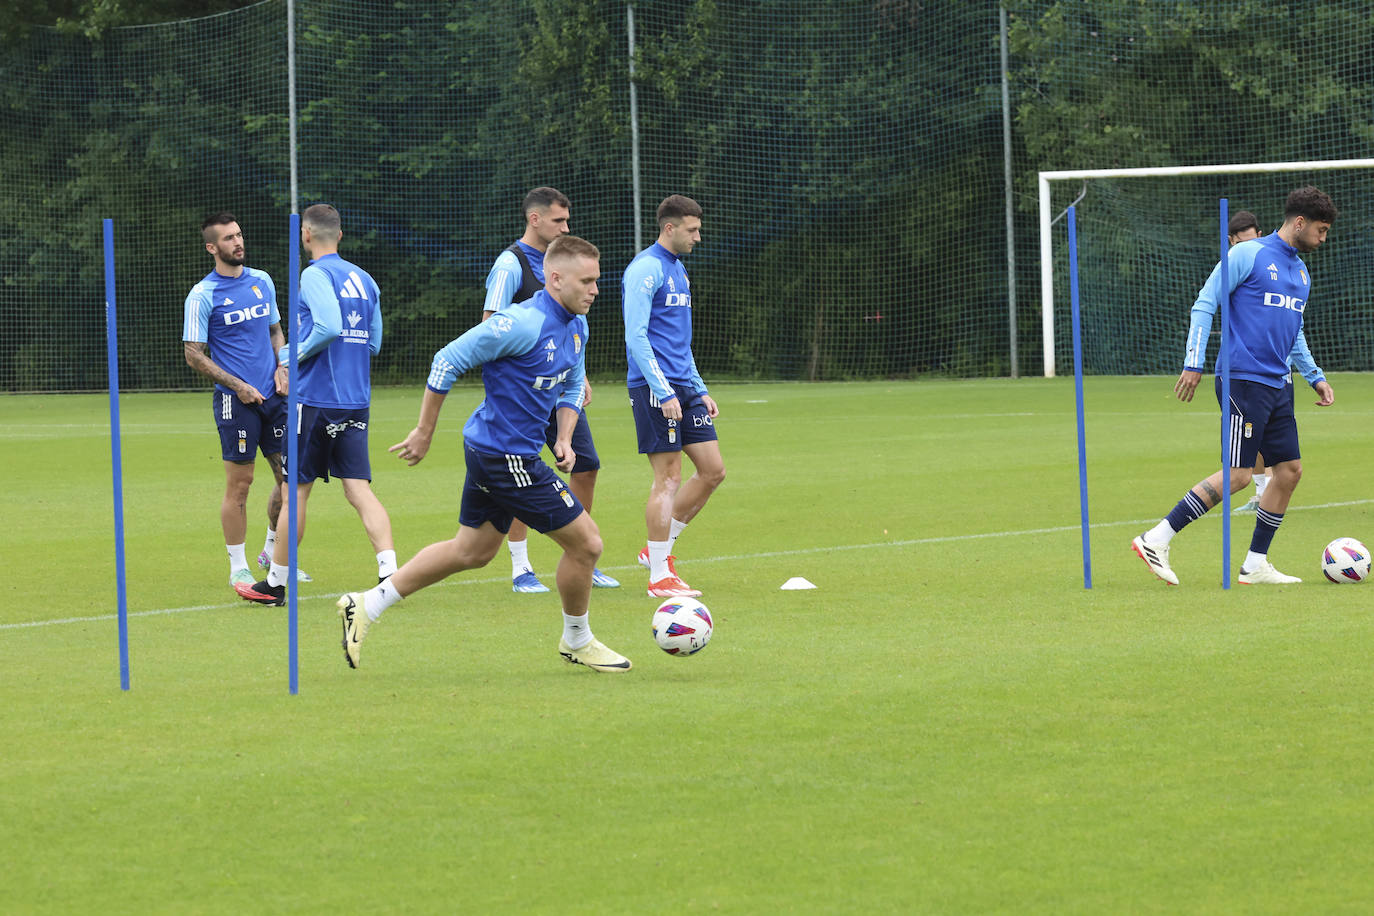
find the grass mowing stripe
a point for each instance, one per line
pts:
(732, 558)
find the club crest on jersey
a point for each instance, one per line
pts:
(577, 343)
(1303, 274)
(257, 292)
(550, 350)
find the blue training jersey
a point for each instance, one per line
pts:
(532, 356)
(657, 302)
(234, 316)
(1269, 287)
(507, 277)
(339, 329)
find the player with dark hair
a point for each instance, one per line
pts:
(340, 330)
(673, 411)
(515, 277)
(1242, 227)
(533, 359)
(230, 331)
(1269, 288)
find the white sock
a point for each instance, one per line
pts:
(519, 558)
(577, 631)
(674, 530)
(1253, 560)
(277, 575)
(1160, 535)
(658, 560)
(1261, 481)
(386, 563)
(376, 600)
(237, 558)
(270, 541)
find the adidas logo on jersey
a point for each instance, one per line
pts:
(353, 287)
(549, 350)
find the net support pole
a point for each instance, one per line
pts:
(291, 100)
(1224, 363)
(634, 127)
(1009, 203)
(1078, 398)
(116, 462)
(293, 259)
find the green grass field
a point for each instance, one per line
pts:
(949, 723)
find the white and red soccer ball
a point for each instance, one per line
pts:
(1345, 560)
(682, 626)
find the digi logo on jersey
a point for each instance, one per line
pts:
(1279, 300)
(239, 316)
(678, 300)
(545, 382)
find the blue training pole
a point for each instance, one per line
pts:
(292, 447)
(1078, 397)
(116, 463)
(1224, 361)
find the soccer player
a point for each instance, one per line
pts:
(515, 277)
(533, 362)
(1269, 288)
(340, 330)
(1243, 227)
(230, 330)
(672, 410)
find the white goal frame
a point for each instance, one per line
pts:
(1046, 260)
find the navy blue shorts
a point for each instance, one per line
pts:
(246, 428)
(657, 433)
(1262, 423)
(583, 446)
(332, 440)
(501, 487)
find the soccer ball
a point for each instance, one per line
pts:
(682, 626)
(1345, 560)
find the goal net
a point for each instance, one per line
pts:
(1147, 239)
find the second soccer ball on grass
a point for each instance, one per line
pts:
(682, 626)
(1345, 560)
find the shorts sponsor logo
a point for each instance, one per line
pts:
(700, 421)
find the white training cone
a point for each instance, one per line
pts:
(796, 583)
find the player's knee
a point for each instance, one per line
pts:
(715, 476)
(1240, 478)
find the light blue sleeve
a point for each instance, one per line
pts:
(502, 282)
(317, 295)
(571, 395)
(1301, 359)
(374, 340)
(1239, 262)
(272, 294)
(195, 325)
(643, 278)
(500, 335)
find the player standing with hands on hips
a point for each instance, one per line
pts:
(533, 359)
(1269, 288)
(672, 410)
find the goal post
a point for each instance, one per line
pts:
(1204, 207)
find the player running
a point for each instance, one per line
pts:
(1269, 288)
(230, 332)
(533, 363)
(673, 413)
